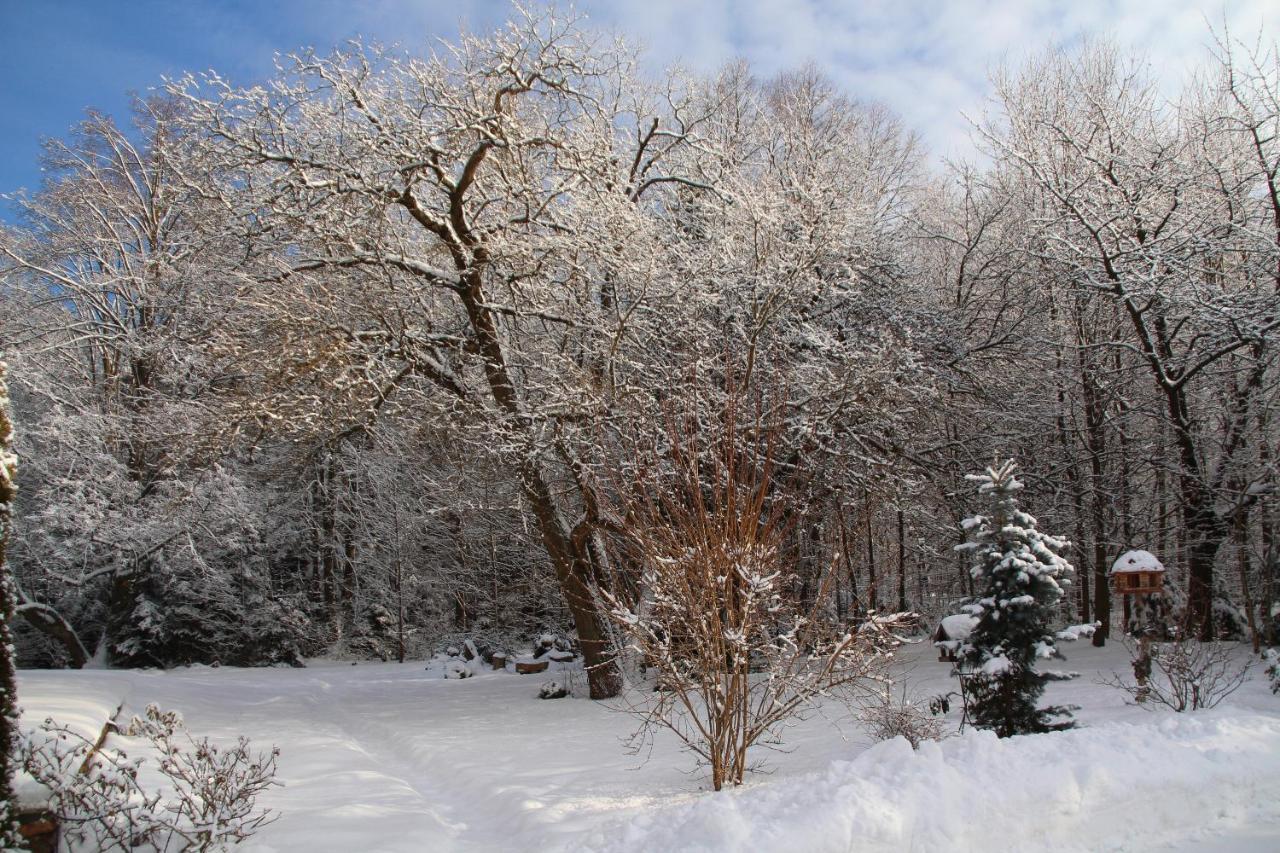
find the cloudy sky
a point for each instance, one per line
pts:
(928, 61)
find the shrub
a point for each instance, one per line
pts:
(888, 715)
(208, 798)
(1183, 674)
(736, 653)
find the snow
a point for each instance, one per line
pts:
(1136, 561)
(997, 665)
(83, 701)
(392, 757)
(1072, 633)
(1073, 790)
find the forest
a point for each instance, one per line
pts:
(716, 394)
(373, 354)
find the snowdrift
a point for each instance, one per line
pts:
(1115, 786)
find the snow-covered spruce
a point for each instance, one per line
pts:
(1018, 573)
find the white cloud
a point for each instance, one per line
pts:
(928, 61)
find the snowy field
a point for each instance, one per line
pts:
(390, 757)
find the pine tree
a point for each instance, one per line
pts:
(8, 602)
(1018, 573)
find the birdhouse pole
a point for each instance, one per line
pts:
(1138, 573)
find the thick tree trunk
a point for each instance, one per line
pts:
(604, 678)
(1205, 530)
(573, 569)
(1101, 594)
(1206, 533)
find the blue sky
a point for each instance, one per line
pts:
(928, 61)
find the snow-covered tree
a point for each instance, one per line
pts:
(8, 602)
(522, 239)
(355, 339)
(131, 519)
(1019, 574)
(1161, 220)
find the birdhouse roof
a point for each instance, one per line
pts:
(959, 626)
(1136, 561)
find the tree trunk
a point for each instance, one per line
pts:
(1242, 564)
(8, 603)
(604, 678)
(1204, 530)
(872, 592)
(1096, 444)
(1270, 545)
(851, 565)
(902, 565)
(49, 622)
(573, 569)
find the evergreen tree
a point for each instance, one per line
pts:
(1018, 573)
(8, 603)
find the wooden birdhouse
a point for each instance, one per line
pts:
(1137, 573)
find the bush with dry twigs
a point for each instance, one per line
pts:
(737, 654)
(1184, 674)
(889, 714)
(177, 794)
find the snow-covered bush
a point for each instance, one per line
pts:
(178, 622)
(1017, 571)
(457, 669)
(1072, 633)
(167, 572)
(737, 654)
(374, 635)
(888, 715)
(204, 798)
(1272, 659)
(1230, 622)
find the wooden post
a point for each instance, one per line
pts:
(1142, 666)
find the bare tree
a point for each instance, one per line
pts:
(1185, 674)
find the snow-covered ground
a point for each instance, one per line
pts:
(389, 757)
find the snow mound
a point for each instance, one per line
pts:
(84, 705)
(1136, 561)
(1116, 786)
(959, 626)
(1072, 633)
